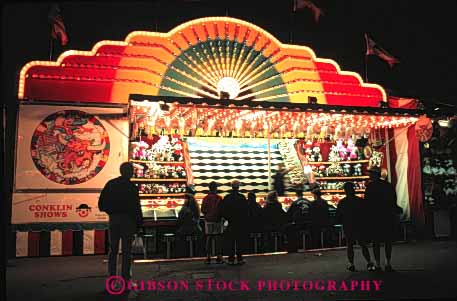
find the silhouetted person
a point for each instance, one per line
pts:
(351, 214)
(298, 212)
(188, 222)
(278, 180)
(255, 214)
(273, 214)
(213, 222)
(234, 208)
(381, 199)
(319, 213)
(298, 218)
(121, 201)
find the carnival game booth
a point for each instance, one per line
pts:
(439, 172)
(213, 99)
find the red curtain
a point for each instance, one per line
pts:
(415, 180)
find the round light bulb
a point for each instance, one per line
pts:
(230, 86)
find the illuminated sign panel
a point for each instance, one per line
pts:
(191, 61)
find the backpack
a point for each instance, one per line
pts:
(302, 211)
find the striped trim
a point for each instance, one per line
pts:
(56, 243)
(44, 244)
(231, 161)
(223, 175)
(100, 242)
(233, 155)
(22, 244)
(235, 149)
(89, 242)
(67, 242)
(401, 170)
(234, 167)
(60, 243)
(33, 244)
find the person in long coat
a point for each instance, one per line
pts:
(121, 201)
(381, 201)
(234, 208)
(351, 214)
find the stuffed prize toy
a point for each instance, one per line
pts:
(342, 151)
(181, 171)
(316, 152)
(139, 170)
(333, 156)
(139, 151)
(314, 170)
(375, 159)
(346, 170)
(357, 169)
(177, 148)
(321, 171)
(450, 188)
(427, 168)
(352, 150)
(136, 150)
(334, 169)
(450, 168)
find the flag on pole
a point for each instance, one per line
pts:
(302, 4)
(373, 48)
(57, 26)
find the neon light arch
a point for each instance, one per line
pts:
(189, 61)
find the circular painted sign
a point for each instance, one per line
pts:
(70, 147)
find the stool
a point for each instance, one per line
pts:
(275, 236)
(339, 230)
(190, 239)
(404, 226)
(168, 238)
(322, 237)
(213, 238)
(146, 238)
(140, 240)
(304, 234)
(256, 236)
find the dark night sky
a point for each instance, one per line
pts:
(418, 33)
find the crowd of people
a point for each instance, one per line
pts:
(372, 219)
(229, 220)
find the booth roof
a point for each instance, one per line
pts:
(281, 106)
(228, 115)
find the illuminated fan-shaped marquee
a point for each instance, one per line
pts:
(217, 57)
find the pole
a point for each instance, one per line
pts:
(386, 137)
(269, 158)
(51, 45)
(292, 19)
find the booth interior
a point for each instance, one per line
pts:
(175, 143)
(439, 170)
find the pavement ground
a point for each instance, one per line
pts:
(425, 270)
